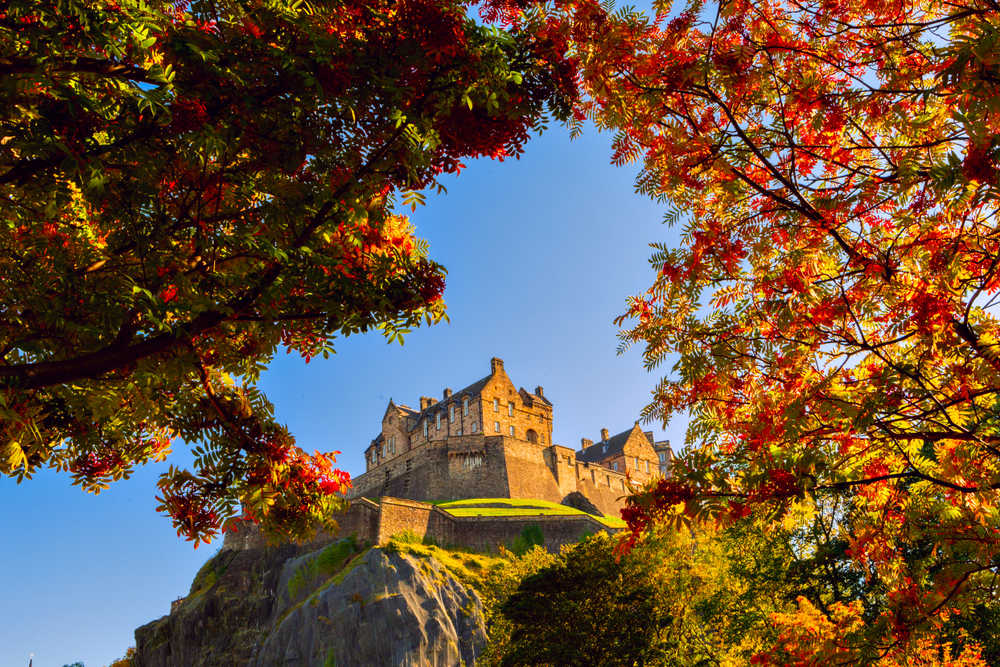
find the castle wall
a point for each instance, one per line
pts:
(483, 533)
(361, 519)
(604, 488)
(468, 466)
(479, 466)
(420, 518)
(489, 533)
(529, 472)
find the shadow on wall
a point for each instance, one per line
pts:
(578, 501)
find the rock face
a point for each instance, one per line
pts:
(333, 607)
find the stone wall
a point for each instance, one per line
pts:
(468, 466)
(478, 466)
(422, 519)
(604, 488)
(361, 519)
(375, 524)
(483, 533)
(487, 533)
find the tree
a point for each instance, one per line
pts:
(499, 583)
(187, 186)
(588, 608)
(830, 310)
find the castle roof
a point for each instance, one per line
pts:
(534, 398)
(407, 410)
(474, 388)
(615, 446)
(472, 391)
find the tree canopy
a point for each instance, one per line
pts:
(830, 312)
(186, 187)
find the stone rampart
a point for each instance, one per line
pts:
(478, 466)
(377, 523)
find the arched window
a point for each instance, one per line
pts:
(531, 436)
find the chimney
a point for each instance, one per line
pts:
(585, 442)
(605, 435)
(649, 436)
(426, 402)
(447, 394)
(539, 391)
(496, 364)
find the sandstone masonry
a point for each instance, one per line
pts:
(491, 440)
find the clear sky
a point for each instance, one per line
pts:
(541, 254)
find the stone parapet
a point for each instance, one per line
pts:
(376, 524)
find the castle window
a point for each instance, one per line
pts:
(496, 405)
(437, 420)
(383, 449)
(637, 463)
(542, 439)
(465, 407)
(663, 456)
(531, 436)
(425, 428)
(614, 466)
(496, 427)
(459, 432)
(510, 409)
(451, 415)
(473, 427)
(512, 430)
(647, 466)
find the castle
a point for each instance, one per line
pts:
(491, 440)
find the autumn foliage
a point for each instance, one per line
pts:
(830, 310)
(187, 187)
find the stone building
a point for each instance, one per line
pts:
(665, 455)
(492, 440)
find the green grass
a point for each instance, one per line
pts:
(517, 507)
(467, 566)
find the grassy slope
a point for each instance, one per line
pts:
(516, 507)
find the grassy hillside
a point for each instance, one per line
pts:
(515, 507)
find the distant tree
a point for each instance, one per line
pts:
(126, 660)
(185, 187)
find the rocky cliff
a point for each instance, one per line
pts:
(331, 605)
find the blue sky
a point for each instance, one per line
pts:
(541, 254)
